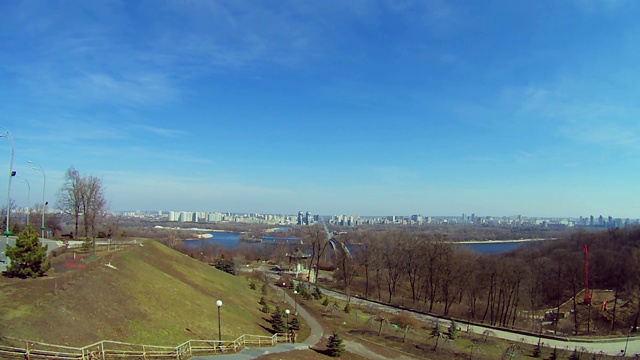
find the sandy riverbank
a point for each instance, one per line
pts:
(498, 241)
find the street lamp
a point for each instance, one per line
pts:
(624, 353)
(28, 196)
(12, 173)
(284, 293)
(295, 301)
(287, 312)
(44, 184)
(219, 305)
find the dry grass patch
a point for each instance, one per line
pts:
(155, 296)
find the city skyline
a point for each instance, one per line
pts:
(507, 107)
(308, 218)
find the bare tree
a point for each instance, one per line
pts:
(93, 204)
(363, 255)
(392, 260)
(431, 260)
(406, 322)
(70, 196)
(412, 263)
(318, 240)
(172, 240)
(346, 266)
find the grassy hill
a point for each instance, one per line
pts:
(153, 297)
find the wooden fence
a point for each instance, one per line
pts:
(11, 348)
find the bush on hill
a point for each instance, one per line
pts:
(28, 257)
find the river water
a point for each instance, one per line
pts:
(227, 240)
(495, 247)
(231, 240)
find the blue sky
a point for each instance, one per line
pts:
(358, 107)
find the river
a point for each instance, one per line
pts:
(231, 240)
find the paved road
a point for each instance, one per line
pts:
(247, 354)
(610, 346)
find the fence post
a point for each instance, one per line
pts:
(27, 349)
(102, 350)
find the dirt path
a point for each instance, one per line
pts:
(363, 350)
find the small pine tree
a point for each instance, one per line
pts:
(295, 323)
(554, 354)
(262, 301)
(266, 309)
(317, 294)
(252, 286)
(537, 351)
(263, 290)
(335, 347)
(221, 263)
(229, 267)
(325, 302)
(86, 244)
(303, 292)
(290, 286)
(435, 333)
(278, 323)
(347, 308)
(453, 330)
(28, 257)
(574, 355)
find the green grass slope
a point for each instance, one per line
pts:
(153, 297)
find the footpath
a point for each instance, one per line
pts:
(248, 354)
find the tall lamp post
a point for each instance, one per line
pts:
(624, 352)
(7, 135)
(219, 305)
(28, 196)
(287, 312)
(44, 184)
(295, 302)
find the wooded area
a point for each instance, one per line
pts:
(514, 289)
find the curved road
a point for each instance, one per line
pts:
(614, 346)
(248, 354)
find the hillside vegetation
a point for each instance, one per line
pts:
(155, 296)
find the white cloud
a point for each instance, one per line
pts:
(584, 111)
(159, 130)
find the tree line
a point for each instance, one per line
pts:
(425, 272)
